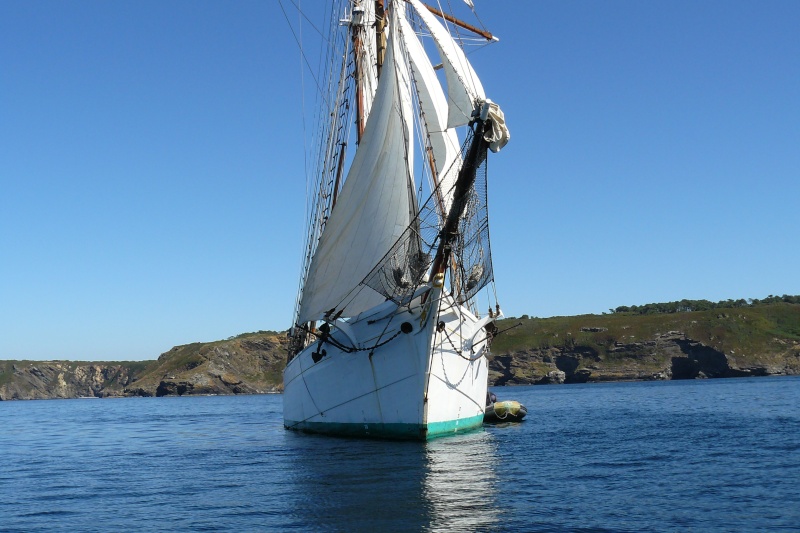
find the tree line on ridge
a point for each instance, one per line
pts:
(702, 305)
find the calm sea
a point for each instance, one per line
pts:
(714, 455)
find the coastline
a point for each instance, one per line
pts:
(719, 343)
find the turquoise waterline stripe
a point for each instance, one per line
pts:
(438, 429)
(389, 431)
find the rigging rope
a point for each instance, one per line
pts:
(300, 45)
(349, 349)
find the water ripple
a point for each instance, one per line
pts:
(716, 455)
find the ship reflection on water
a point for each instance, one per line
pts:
(351, 484)
(460, 484)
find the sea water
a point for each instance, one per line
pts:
(712, 455)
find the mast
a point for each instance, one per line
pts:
(380, 34)
(355, 25)
(435, 179)
(360, 120)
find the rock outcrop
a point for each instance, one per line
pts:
(247, 364)
(64, 379)
(671, 355)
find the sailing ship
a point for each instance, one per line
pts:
(387, 339)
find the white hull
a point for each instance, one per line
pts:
(415, 386)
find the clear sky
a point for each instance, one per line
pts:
(152, 188)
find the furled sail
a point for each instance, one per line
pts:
(443, 140)
(464, 89)
(376, 203)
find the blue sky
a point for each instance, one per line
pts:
(152, 185)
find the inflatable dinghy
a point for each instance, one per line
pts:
(506, 411)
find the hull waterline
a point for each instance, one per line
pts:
(418, 385)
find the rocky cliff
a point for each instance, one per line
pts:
(248, 364)
(672, 355)
(756, 341)
(34, 380)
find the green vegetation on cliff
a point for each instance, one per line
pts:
(762, 329)
(703, 305)
(246, 363)
(754, 340)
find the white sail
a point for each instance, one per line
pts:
(375, 206)
(443, 140)
(464, 89)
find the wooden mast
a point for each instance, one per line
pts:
(357, 51)
(380, 34)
